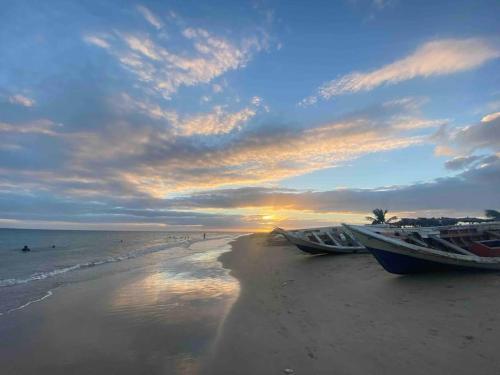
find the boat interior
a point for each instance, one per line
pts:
(467, 240)
(327, 236)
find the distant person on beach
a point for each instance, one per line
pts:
(26, 248)
(204, 236)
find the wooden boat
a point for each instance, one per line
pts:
(328, 240)
(411, 250)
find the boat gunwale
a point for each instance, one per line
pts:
(422, 252)
(296, 240)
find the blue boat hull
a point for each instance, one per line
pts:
(403, 264)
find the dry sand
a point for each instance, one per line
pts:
(346, 315)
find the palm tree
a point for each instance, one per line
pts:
(492, 214)
(379, 217)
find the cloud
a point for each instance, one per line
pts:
(217, 122)
(103, 145)
(461, 162)
(47, 210)
(247, 207)
(163, 68)
(150, 17)
(256, 100)
(142, 149)
(491, 117)
(40, 126)
(413, 123)
(443, 195)
(97, 41)
(434, 58)
(484, 135)
(261, 152)
(22, 100)
(216, 88)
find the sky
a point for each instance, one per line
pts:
(232, 115)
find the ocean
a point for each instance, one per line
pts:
(60, 256)
(110, 289)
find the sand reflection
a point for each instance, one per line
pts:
(164, 292)
(186, 299)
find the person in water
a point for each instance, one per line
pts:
(26, 248)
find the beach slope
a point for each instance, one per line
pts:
(305, 314)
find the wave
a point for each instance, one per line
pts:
(200, 247)
(93, 263)
(47, 295)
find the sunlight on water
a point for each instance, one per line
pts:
(160, 310)
(194, 291)
(197, 277)
(163, 293)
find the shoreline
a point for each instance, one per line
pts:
(156, 314)
(257, 306)
(71, 271)
(346, 315)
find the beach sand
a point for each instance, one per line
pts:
(344, 314)
(289, 310)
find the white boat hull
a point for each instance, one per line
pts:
(296, 237)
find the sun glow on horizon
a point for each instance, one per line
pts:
(261, 115)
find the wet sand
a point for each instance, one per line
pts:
(156, 314)
(346, 315)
